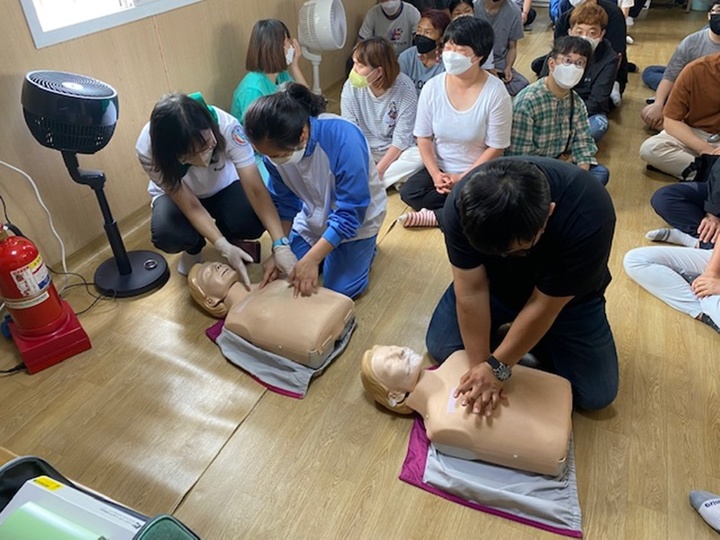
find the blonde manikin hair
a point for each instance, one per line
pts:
(216, 309)
(375, 388)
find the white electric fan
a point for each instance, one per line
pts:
(322, 26)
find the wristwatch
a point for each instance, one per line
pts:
(501, 371)
(281, 242)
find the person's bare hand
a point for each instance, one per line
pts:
(706, 285)
(508, 75)
(304, 277)
(480, 389)
(442, 183)
(709, 228)
(652, 115)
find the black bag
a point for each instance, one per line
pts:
(702, 166)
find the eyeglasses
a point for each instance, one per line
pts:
(567, 61)
(209, 146)
(524, 252)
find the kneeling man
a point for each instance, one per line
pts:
(528, 239)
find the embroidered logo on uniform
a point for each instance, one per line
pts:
(238, 136)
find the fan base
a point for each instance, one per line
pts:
(149, 271)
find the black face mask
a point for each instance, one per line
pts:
(715, 23)
(424, 44)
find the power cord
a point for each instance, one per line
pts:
(49, 216)
(84, 283)
(15, 369)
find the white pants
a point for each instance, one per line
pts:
(656, 269)
(665, 152)
(403, 167)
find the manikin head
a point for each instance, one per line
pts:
(209, 286)
(389, 374)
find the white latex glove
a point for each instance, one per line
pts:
(285, 259)
(236, 257)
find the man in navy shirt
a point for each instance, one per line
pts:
(528, 239)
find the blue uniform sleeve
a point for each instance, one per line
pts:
(287, 203)
(347, 150)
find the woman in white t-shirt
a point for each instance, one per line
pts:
(205, 185)
(464, 119)
(382, 102)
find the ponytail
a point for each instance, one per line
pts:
(280, 117)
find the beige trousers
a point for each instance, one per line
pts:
(665, 152)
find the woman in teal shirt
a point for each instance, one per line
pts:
(271, 60)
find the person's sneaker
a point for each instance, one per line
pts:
(527, 28)
(632, 67)
(615, 94)
(629, 40)
(187, 261)
(629, 21)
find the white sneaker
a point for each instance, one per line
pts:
(187, 261)
(629, 21)
(615, 94)
(629, 40)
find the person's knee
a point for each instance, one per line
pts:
(595, 399)
(633, 262)
(647, 150)
(659, 201)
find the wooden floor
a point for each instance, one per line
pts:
(154, 416)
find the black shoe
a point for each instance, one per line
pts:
(632, 67)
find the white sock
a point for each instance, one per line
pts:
(708, 506)
(672, 236)
(615, 95)
(187, 261)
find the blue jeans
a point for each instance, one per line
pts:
(347, 268)
(600, 172)
(598, 126)
(682, 206)
(579, 345)
(652, 75)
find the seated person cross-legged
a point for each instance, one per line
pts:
(382, 102)
(550, 119)
(530, 431)
(687, 280)
(463, 120)
(691, 120)
(589, 22)
(303, 329)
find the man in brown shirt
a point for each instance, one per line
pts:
(691, 119)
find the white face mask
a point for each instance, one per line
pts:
(456, 63)
(292, 159)
(576, 3)
(567, 77)
(290, 55)
(391, 7)
(594, 42)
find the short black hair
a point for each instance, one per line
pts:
(503, 201)
(281, 117)
(570, 44)
(452, 4)
(471, 32)
(176, 125)
(715, 3)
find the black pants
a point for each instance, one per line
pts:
(530, 17)
(682, 206)
(172, 232)
(419, 192)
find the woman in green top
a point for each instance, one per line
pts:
(271, 60)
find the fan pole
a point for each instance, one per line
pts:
(125, 274)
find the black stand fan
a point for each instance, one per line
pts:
(77, 114)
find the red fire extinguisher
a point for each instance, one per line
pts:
(26, 288)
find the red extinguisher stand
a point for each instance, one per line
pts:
(44, 327)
